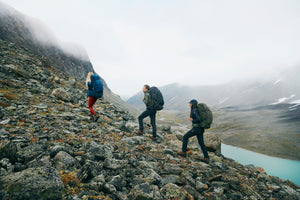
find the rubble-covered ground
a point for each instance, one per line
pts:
(49, 148)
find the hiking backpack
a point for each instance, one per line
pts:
(156, 98)
(97, 86)
(205, 114)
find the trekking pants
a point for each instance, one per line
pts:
(199, 133)
(92, 101)
(151, 114)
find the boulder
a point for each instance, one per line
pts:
(34, 183)
(212, 143)
(64, 160)
(172, 191)
(145, 191)
(62, 94)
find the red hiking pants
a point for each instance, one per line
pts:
(92, 101)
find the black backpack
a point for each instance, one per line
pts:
(157, 100)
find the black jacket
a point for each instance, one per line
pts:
(195, 116)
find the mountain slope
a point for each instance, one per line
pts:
(49, 149)
(34, 35)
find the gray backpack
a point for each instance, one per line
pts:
(205, 114)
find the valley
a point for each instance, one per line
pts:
(262, 130)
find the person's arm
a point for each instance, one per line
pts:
(196, 117)
(89, 86)
(147, 99)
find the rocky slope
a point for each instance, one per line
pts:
(49, 149)
(32, 34)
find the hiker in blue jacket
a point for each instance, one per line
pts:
(95, 91)
(195, 131)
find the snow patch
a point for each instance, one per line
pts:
(282, 100)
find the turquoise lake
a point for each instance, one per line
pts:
(282, 168)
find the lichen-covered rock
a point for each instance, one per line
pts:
(62, 94)
(172, 191)
(32, 183)
(212, 143)
(99, 152)
(115, 164)
(64, 160)
(145, 191)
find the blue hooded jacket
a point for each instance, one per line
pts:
(95, 87)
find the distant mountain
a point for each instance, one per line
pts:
(33, 35)
(243, 94)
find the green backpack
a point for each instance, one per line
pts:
(206, 116)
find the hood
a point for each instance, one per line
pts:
(95, 77)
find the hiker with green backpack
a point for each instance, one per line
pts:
(201, 117)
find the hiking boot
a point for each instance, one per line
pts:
(205, 160)
(96, 117)
(140, 132)
(152, 137)
(182, 154)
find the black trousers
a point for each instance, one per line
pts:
(195, 131)
(152, 115)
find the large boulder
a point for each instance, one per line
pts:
(33, 183)
(212, 143)
(62, 94)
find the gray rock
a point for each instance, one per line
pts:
(100, 152)
(172, 169)
(118, 181)
(109, 188)
(151, 176)
(33, 183)
(29, 153)
(172, 191)
(136, 140)
(212, 143)
(145, 191)
(64, 160)
(62, 94)
(97, 183)
(171, 179)
(110, 163)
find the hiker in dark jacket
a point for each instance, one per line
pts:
(148, 112)
(95, 91)
(195, 131)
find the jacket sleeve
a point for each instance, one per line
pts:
(196, 117)
(89, 85)
(147, 99)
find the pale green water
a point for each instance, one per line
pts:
(282, 168)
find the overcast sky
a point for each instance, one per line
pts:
(158, 42)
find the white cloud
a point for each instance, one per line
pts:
(191, 42)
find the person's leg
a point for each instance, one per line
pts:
(186, 137)
(141, 117)
(92, 101)
(152, 120)
(201, 143)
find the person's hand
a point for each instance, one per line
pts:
(143, 97)
(191, 119)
